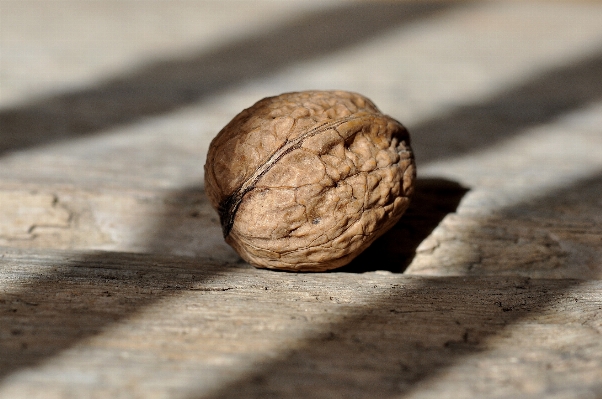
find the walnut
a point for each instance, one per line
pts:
(306, 181)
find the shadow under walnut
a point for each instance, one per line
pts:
(433, 199)
(306, 181)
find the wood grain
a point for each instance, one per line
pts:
(290, 335)
(115, 280)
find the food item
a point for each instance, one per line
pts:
(306, 181)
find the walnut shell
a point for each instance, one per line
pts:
(306, 181)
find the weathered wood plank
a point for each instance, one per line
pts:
(66, 217)
(114, 278)
(557, 235)
(194, 325)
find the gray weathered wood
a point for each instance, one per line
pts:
(114, 277)
(183, 323)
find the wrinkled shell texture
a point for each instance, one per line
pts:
(306, 181)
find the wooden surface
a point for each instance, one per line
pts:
(115, 280)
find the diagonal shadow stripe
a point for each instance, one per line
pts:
(85, 295)
(82, 297)
(538, 101)
(467, 130)
(395, 362)
(129, 297)
(164, 86)
(413, 332)
(98, 289)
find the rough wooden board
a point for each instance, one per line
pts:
(103, 138)
(67, 217)
(123, 325)
(555, 236)
(160, 221)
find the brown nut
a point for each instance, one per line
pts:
(306, 181)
